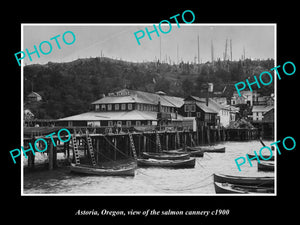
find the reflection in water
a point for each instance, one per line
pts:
(198, 180)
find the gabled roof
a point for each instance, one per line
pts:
(141, 97)
(115, 115)
(262, 108)
(205, 108)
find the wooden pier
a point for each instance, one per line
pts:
(113, 147)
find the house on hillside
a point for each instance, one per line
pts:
(247, 98)
(33, 97)
(128, 108)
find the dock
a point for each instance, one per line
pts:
(116, 146)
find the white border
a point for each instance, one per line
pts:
(147, 24)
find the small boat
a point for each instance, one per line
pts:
(213, 149)
(126, 170)
(242, 180)
(226, 188)
(207, 149)
(193, 153)
(265, 166)
(262, 158)
(185, 163)
(164, 156)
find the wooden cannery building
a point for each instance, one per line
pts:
(127, 108)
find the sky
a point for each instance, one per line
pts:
(118, 41)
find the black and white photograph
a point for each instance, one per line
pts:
(158, 117)
(150, 113)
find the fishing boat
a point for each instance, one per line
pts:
(207, 149)
(185, 163)
(193, 153)
(242, 180)
(252, 156)
(164, 156)
(125, 170)
(226, 188)
(265, 166)
(213, 149)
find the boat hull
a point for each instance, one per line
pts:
(90, 170)
(226, 188)
(165, 156)
(265, 166)
(207, 149)
(187, 163)
(254, 181)
(196, 153)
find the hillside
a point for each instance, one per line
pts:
(69, 88)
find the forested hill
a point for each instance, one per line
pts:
(69, 88)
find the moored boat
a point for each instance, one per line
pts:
(193, 153)
(126, 170)
(242, 180)
(185, 163)
(164, 156)
(213, 149)
(207, 149)
(226, 188)
(265, 166)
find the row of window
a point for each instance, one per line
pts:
(190, 108)
(118, 123)
(129, 106)
(113, 107)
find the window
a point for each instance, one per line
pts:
(128, 123)
(129, 106)
(186, 108)
(117, 107)
(109, 107)
(123, 107)
(103, 107)
(193, 108)
(138, 123)
(110, 123)
(97, 107)
(198, 114)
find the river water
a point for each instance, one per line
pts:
(198, 180)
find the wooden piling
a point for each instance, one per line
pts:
(50, 155)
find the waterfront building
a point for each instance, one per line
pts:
(127, 108)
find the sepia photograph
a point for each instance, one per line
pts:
(149, 109)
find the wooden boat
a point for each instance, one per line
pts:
(226, 188)
(207, 149)
(265, 166)
(264, 156)
(242, 180)
(164, 156)
(126, 170)
(193, 153)
(213, 149)
(185, 163)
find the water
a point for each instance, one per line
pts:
(198, 180)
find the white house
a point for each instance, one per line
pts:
(258, 111)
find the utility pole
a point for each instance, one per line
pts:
(198, 51)
(230, 50)
(212, 52)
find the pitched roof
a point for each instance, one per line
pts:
(115, 115)
(205, 108)
(141, 97)
(262, 108)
